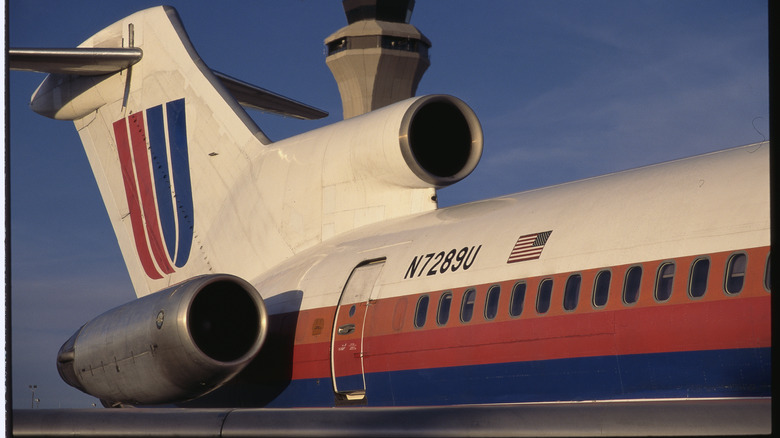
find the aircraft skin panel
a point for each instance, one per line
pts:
(537, 337)
(678, 375)
(599, 222)
(649, 349)
(733, 328)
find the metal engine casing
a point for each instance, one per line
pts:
(174, 345)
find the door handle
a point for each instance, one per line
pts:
(346, 329)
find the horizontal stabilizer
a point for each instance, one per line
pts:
(81, 61)
(93, 62)
(259, 98)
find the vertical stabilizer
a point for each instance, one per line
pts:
(165, 139)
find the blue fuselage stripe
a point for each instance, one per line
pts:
(717, 373)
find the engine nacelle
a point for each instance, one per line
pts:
(423, 142)
(440, 139)
(173, 345)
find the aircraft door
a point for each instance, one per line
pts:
(347, 342)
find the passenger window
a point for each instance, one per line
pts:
(445, 302)
(631, 284)
(467, 305)
(768, 274)
(421, 313)
(664, 281)
(544, 295)
(571, 295)
(735, 273)
(517, 299)
(601, 288)
(491, 302)
(700, 271)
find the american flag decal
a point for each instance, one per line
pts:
(529, 247)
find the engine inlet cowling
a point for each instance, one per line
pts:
(441, 139)
(170, 346)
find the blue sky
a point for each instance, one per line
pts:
(564, 90)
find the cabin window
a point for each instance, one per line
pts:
(571, 295)
(631, 284)
(445, 302)
(517, 299)
(768, 274)
(601, 288)
(421, 313)
(491, 302)
(735, 273)
(664, 281)
(700, 271)
(544, 295)
(467, 305)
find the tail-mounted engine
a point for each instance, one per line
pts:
(423, 142)
(441, 139)
(170, 346)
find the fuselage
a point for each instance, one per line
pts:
(648, 283)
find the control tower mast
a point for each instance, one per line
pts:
(379, 58)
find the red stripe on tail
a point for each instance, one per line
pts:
(141, 158)
(136, 219)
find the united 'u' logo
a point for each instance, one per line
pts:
(152, 147)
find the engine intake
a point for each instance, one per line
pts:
(441, 139)
(170, 346)
(223, 311)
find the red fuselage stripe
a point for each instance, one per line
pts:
(725, 324)
(715, 321)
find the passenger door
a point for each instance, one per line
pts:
(347, 342)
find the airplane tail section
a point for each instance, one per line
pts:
(160, 130)
(193, 187)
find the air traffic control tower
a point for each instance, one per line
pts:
(379, 58)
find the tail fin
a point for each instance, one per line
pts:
(157, 134)
(191, 184)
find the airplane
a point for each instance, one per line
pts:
(319, 272)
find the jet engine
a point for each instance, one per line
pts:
(440, 139)
(174, 345)
(421, 142)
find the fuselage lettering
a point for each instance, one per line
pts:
(443, 261)
(413, 267)
(467, 264)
